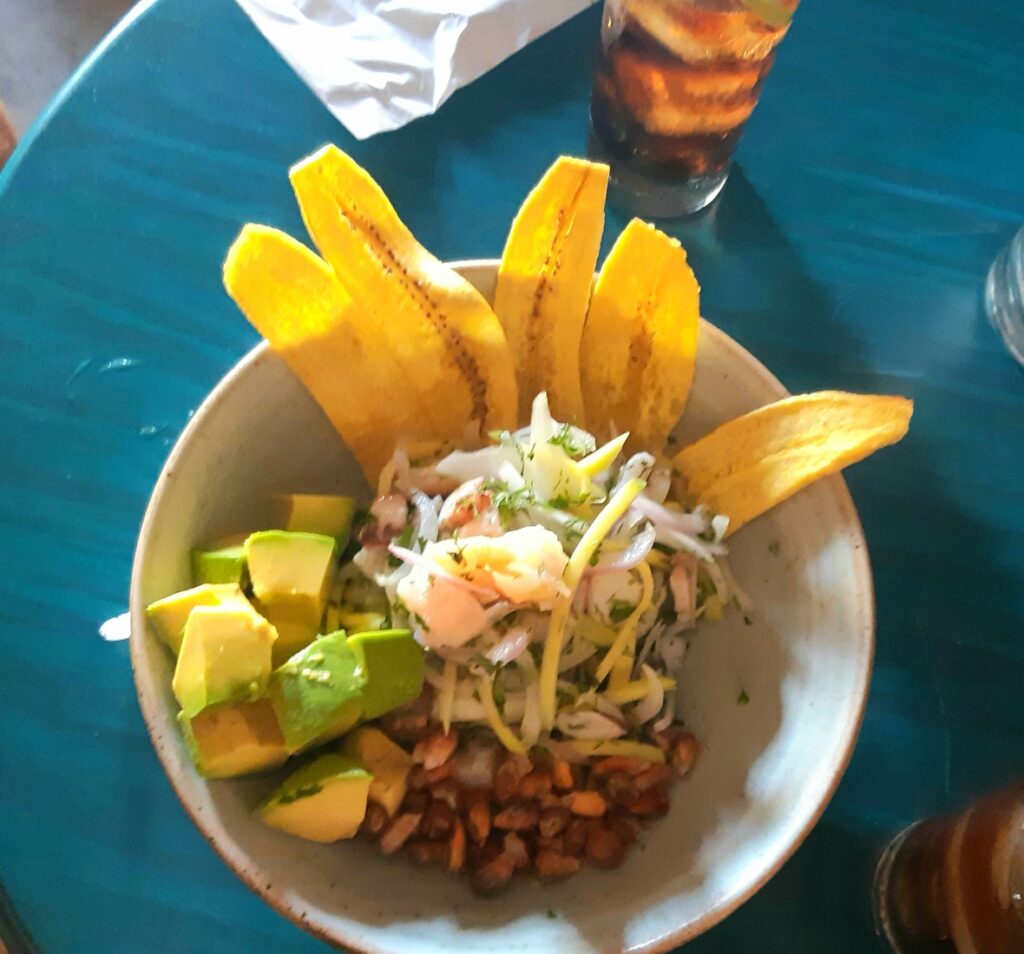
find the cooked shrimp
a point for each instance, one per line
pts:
(470, 510)
(448, 616)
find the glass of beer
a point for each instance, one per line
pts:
(954, 883)
(675, 83)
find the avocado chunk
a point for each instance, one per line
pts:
(234, 738)
(324, 801)
(319, 513)
(223, 565)
(224, 656)
(293, 632)
(317, 694)
(291, 573)
(389, 764)
(169, 615)
(392, 663)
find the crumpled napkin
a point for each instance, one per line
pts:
(378, 64)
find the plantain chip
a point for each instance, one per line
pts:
(639, 344)
(752, 463)
(544, 282)
(294, 300)
(437, 326)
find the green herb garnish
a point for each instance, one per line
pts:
(743, 698)
(620, 610)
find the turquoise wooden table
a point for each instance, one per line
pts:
(876, 182)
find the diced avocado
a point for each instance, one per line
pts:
(360, 622)
(389, 764)
(291, 573)
(325, 801)
(234, 738)
(317, 694)
(293, 632)
(224, 656)
(225, 565)
(392, 662)
(170, 614)
(319, 513)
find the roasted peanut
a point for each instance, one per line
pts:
(515, 849)
(457, 846)
(551, 864)
(684, 753)
(508, 775)
(435, 748)
(478, 814)
(561, 774)
(399, 832)
(621, 788)
(588, 804)
(375, 820)
(626, 827)
(576, 836)
(520, 816)
(416, 802)
(534, 785)
(446, 791)
(438, 820)
(652, 802)
(552, 821)
(556, 843)
(604, 847)
(426, 852)
(492, 875)
(620, 763)
(656, 774)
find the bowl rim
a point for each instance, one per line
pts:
(153, 716)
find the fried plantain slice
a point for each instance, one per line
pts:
(639, 344)
(544, 282)
(750, 464)
(331, 343)
(437, 325)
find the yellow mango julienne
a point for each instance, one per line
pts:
(438, 328)
(750, 464)
(639, 346)
(330, 342)
(544, 282)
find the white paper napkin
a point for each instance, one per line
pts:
(378, 64)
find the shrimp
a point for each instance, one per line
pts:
(470, 510)
(448, 616)
(682, 582)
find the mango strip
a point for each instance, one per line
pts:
(544, 282)
(639, 346)
(437, 326)
(624, 747)
(756, 461)
(625, 641)
(578, 562)
(505, 735)
(294, 300)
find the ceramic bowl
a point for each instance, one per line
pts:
(768, 768)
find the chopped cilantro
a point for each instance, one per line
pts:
(551, 914)
(402, 540)
(508, 502)
(620, 610)
(742, 699)
(773, 548)
(596, 555)
(672, 440)
(705, 588)
(748, 621)
(566, 439)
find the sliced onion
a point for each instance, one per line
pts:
(638, 466)
(668, 711)
(744, 600)
(705, 552)
(588, 725)
(580, 652)
(608, 708)
(429, 566)
(530, 727)
(468, 465)
(682, 581)
(429, 523)
(648, 707)
(691, 524)
(474, 766)
(498, 611)
(511, 646)
(626, 559)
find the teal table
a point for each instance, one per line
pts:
(878, 179)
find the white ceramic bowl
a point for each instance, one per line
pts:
(767, 771)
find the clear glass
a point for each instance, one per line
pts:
(675, 83)
(954, 883)
(1004, 295)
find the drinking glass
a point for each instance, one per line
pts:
(1004, 295)
(675, 83)
(954, 883)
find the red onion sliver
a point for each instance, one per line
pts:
(690, 524)
(635, 553)
(511, 646)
